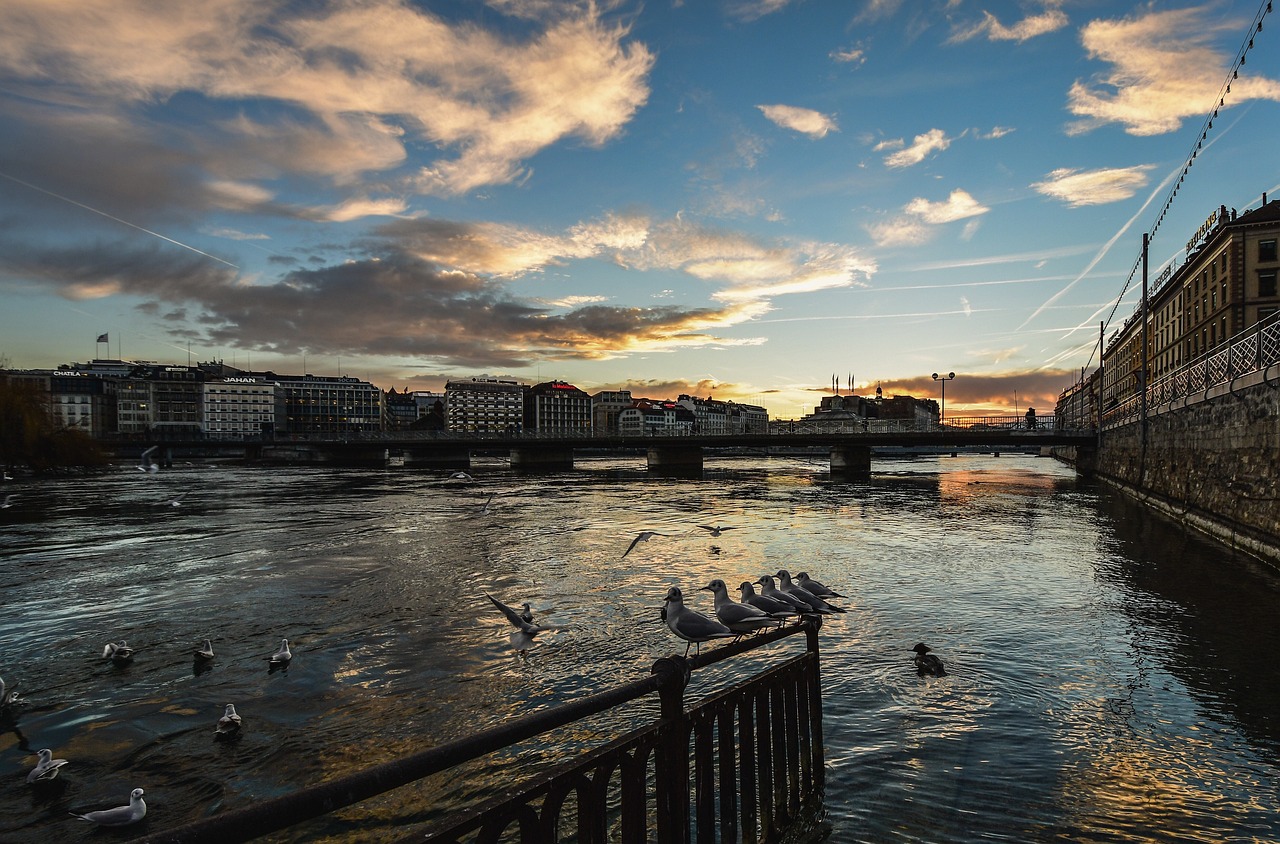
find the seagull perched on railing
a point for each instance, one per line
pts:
(691, 625)
(813, 587)
(740, 618)
(770, 590)
(773, 606)
(786, 585)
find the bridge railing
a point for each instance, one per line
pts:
(741, 765)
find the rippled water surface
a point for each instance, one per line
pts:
(1111, 678)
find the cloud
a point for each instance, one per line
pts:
(935, 140)
(815, 124)
(750, 10)
(958, 206)
(855, 56)
(994, 391)
(1093, 187)
(916, 225)
(352, 83)
(1162, 71)
(1050, 20)
(384, 303)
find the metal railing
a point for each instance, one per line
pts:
(741, 765)
(1257, 350)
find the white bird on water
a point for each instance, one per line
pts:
(643, 536)
(522, 620)
(119, 653)
(281, 658)
(691, 625)
(120, 815)
(205, 651)
(8, 500)
(229, 723)
(47, 768)
(740, 618)
(8, 698)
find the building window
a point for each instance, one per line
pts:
(1266, 250)
(1267, 283)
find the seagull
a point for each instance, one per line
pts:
(773, 606)
(461, 476)
(8, 500)
(643, 536)
(715, 530)
(229, 723)
(522, 620)
(813, 587)
(47, 768)
(740, 618)
(8, 698)
(691, 625)
(176, 502)
(770, 590)
(204, 652)
(819, 605)
(120, 654)
(927, 663)
(484, 508)
(280, 659)
(8, 477)
(119, 816)
(145, 465)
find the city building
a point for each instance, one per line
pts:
(238, 406)
(320, 404)
(656, 418)
(710, 416)
(605, 407)
(1225, 285)
(557, 407)
(484, 405)
(747, 418)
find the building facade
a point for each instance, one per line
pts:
(484, 405)
(238, 406)
(557, 407)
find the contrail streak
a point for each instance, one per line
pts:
(117, 219)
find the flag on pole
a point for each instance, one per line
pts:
(102, 338)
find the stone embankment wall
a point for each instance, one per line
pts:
(1211, 462)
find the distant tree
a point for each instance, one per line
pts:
(29, 437)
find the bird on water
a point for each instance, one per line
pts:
(927, 663)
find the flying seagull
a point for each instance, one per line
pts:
(146, 465)
(715, 530)
(643, 536)
(204, 652)
(119, 816)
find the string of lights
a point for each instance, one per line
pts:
(1255, 27)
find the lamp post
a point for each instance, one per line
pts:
(943, 379)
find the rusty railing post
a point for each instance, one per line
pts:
(671, 761)
(815, 705)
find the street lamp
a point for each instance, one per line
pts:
(942, 415)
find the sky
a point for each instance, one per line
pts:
(742, 199)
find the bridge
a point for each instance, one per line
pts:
(849, 443)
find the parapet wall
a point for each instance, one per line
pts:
(1211, 461)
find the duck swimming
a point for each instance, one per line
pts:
(927, 663)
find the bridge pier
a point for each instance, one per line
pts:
(436, 456)
(541, 458)
(853, 461)
(675, 458)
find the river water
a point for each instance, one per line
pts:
(1111, 678)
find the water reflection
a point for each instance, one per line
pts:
(1102, 674)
